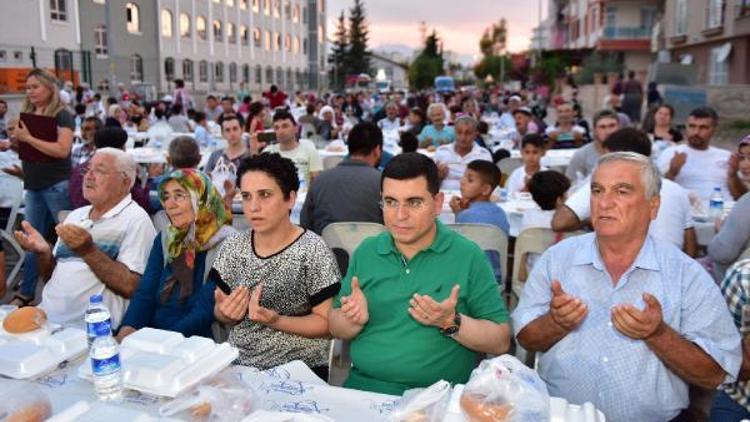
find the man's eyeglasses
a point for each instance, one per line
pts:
(177, 197)
(97, 172)
(413, 204)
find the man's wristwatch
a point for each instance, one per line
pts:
(452, 330)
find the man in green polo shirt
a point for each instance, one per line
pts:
(419, 301)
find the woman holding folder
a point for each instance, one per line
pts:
(45, 137)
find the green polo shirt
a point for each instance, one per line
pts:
(393, 352)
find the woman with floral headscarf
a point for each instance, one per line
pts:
(173, 293)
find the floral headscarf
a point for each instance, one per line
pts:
(211, 216)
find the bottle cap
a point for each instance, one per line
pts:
(96, 299)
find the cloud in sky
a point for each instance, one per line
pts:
(459, 23)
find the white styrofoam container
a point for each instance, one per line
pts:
(85, 411)
(165, 363)
(31, 354)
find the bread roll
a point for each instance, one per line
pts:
(24, 320)
(201, 410)
(36, 412)
(478, 410)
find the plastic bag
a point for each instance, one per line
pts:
(423, 405)
(504, 389)
(221, 398)
(271, 416)
(24, 403)
(222, 172)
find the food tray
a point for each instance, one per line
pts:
(85, 411)
(31, 354)
(165, 363)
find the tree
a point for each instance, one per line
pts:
(428, 64)
(358, 56)
(339, 52)
(492, 45)
(492, 65)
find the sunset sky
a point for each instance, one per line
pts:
(459, 23)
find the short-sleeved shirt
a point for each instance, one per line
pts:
(446, 154)
(446, 135)
(736, 290)
(394, 352)
(583, 162)
(294, 280)
(43, 175)
(674, 216)
(305, 157)
(703, 171)
(125, 234)
(220, 154)
(517, 180)
(623, 377)
(565, 139)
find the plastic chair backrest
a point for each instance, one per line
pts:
(534, 240)
(332, 161)
(507, 165)
(489, 238)
(348, 235)
(12, 189)
(62, 215)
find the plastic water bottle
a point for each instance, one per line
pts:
(106, 368)
(98, 322)
(716, 204)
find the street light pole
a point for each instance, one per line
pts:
(110, 48)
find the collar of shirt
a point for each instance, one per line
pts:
(117, 209)
(646, 258)
(439, 245)
(353, 162)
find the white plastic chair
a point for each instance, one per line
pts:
(507, 165)
(488, 238)
(332, 161)
(12, 188)
(347, 237)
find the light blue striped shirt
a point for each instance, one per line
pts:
(595, 362)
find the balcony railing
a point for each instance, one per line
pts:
(626, 33)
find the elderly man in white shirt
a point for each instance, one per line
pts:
(453, 158)
(102, 248)
(390, 122)
(673, 222)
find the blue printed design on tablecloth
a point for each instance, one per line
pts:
(293, 388)
(277, 372)
(53, 381)
(303, 406)
(136, 397)
(386, 407)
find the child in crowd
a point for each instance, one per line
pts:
(532, 151)
(743, 161)
(548, 189)
(474, 206)
(408, 142)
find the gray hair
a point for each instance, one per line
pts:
(124, 162)
(433, 106)
(467, 120)
(650, 175)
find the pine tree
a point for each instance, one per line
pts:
(339, 52)
(358, 56)
(428, 64)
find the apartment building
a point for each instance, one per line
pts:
(712, 35)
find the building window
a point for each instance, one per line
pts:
(267, 7)
(680, 17)
(295, 49)
(246, 73)
(321, 34)
(230, 3)
(715, 13)
(288, 43)
(276, 8)
(718, 73)
(298, 79)
(200, 27)
(295, 13)
(219, 72)
(231, 34)
(232, 72)
(289, 79)
(280, 76)
(243, 4)
(304, 46)
(244, 35)
(611, 17)
(100, 41)
(268, 40)
(288, 10)
(258, 75)
(184, 25)
(63, 60)
(136, 68)
(99, 1)
(203, 71)
(57, 10)
(304, 15)
(256, 6)
(187, 70)
(166, 23)
(169, 68)
(269, 75)
(322, 6)
(217, 31)
(133, 17)
(256, 37)
(277, 41)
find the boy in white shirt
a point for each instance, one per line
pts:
(532, 151)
